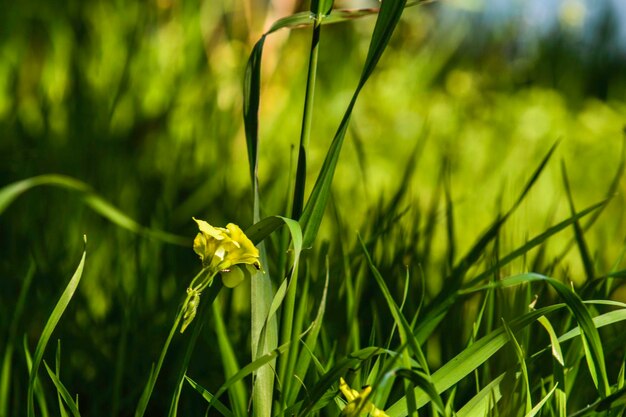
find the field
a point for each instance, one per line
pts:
(425, 210)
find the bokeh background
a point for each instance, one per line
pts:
(143, 102)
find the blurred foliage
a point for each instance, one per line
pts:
(142, 100)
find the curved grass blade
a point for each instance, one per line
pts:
(263, 228)
(471, 358)
(424, 382)
(290, 329)
(63, 392)
(590, 336)
(249, 369)
(53, 320)
(538, 240)
(557, 353)
(10, 192)
(219, 406)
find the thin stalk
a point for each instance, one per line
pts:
(307, 118)
(145, 397)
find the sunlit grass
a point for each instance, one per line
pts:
(469, 259)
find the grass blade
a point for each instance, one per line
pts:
(519, 352)
(57, 365)
(63, 392)
(217, 404)
(53, 320)
(470, 358)
(10, 192)
(237, 392)
(388, 17)
(7, 360)
(537, 408)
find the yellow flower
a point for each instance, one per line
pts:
(357, 402)
(221, 248)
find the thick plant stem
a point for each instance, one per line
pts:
(307, 118)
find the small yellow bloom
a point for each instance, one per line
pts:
(358, 403)
(220, 248)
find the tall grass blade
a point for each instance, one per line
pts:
(290, 329)
(237, 392)
(57, 365)
(311, 218)
(537, 408)
(306, 355)
(578, 230)
(217, 404)
(63, 392)
(521, 357)
(39, 393)
(7, 360)
(439, 307)
(53, 320)
(406, 333)
(470, 358)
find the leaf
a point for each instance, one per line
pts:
(311, 218)
(219, 406)
(7, 361)
(53, 320)
(9, 193)
(540, 404)
(590, 336)
(237, 392)
(469, 359)
(482, 402)
(321, 8)
(67, 397)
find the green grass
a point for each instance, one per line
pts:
(423, 240)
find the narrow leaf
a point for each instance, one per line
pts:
(53, 320)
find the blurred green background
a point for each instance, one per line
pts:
(143, 102)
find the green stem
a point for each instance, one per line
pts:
(307, 117)
(147, 393)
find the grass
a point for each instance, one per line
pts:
(436, 316)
